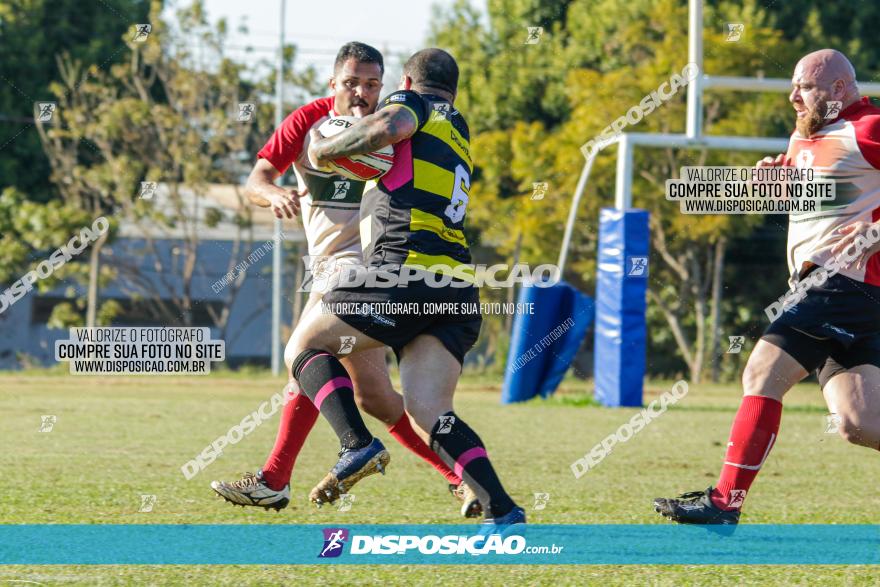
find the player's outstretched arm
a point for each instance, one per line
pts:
(390, 125)
(261, 190)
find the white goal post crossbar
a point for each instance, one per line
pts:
(626, 144)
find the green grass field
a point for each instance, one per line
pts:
(118, 438)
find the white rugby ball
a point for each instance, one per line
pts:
(358, 167)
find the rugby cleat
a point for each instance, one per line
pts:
(695, 507)
(354, 464)
(252, 490)
(506, 525)
(470, 503)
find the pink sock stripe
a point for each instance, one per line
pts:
(309, 362)
(467, 456)
(330, 387)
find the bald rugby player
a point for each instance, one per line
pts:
(834, 329)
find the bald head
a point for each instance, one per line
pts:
(825, 67)
(824, 83)
(432, 70)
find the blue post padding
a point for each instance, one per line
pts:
(543, 344)
(621, 284)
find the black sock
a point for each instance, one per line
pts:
(326, 382)
(463, 451)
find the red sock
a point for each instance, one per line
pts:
(751, 438)
(297, 420)
(405, 435)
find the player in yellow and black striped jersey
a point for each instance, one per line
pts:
(418, 213)
(419, 207)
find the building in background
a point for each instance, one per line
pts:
(231, 281)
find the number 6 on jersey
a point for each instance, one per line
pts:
(458, 206)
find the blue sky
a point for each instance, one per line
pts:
(319, 28)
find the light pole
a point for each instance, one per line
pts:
(276, 251)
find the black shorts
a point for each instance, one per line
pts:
(834, 328)
(396, 315)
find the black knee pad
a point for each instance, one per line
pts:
(302, 359)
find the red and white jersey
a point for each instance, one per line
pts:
(846, 151)
(331, 210)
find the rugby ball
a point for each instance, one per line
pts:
(358, 167)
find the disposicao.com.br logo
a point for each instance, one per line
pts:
(432, 544)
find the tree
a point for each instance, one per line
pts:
(168, 115)
(30, 232)
(809, 25)
(32, 34)
(596, 59)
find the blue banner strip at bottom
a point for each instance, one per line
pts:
(270, 544)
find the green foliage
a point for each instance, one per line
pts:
(32, 34)
(109, 310)
(13, 251)
(213, 216)
(808, 25)
(30, 232)
(168, 113)
(66, 315)
(532, 106)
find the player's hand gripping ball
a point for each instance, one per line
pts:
(358, 167)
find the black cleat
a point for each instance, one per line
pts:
(695, 507)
